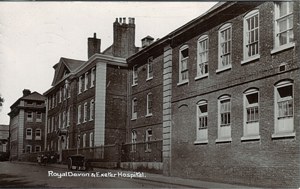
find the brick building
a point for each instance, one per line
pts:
(235, 115)
(27, 125)
(87, 100)
(213, 100)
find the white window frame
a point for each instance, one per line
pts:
(49, 125)
(39, 116)
(29, 116)
(249, 43)
(85, 112)
(79, 114)
(183, 66)
(60, 95)
(290, 29)
(28, 136)
(59, 120)
(284, 125)
(67, 142)
(134, 75)
(86, 80)
(52, 124)
(64, 119)
(202, 57)
(30, 149)
(149, 104)
(133, 140)
(150, 68)
(84, 140)
(134, 109)
(80, 85)
(91, 139)
(40, 148)
(224, 130)
(36, 136)
(228, 43)
(201, 122)
(92, 107)
(68, 117)
(148, 139)
(93, 74)
(251, 126)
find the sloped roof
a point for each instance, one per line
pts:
(34, 96)
(70, 64)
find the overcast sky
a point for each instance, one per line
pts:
(34, 35)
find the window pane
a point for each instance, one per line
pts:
(282, 9)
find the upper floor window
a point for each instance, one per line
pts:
(64, 119)
(48, 125)
(59, 95)
(68, 117)
(29, 134)
(92, 109)
(149, 104)
(183, 64)
(251, 35)
(202, 59)
(79, 114)
(29, 116)
(59, 120)
(134, 109)
(86, 81)
(38, 117)
(284, 34)
(80, 85)
(284, 109)
(202, 117)
(251, 114)
(93, 76)
(134, 75)
(38, 134)
(85, 112)
(150, 68)
(225, 47)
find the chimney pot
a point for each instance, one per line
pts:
(124, 20)
(120, 20)
(26, 92)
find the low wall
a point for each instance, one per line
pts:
(155, 167)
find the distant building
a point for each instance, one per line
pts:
(27, 124)
(4, 136)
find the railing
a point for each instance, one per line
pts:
(136, 152)
(142, 152)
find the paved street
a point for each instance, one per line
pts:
(25, 175)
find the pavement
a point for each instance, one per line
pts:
(181, 182)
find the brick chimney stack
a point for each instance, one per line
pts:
(124, 37)
(94, 45)
(146, 41)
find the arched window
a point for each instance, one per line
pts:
(225, 43)
(183, 64)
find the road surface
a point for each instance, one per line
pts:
(16, 175)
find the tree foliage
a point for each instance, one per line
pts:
(1, 101)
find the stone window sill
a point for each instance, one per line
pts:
(247, 138)
(250, 59)
(201, 77)
(201, 142)
(182, 82)
(223, 140)
(223, 69)
(282, 48)
(283, 135)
